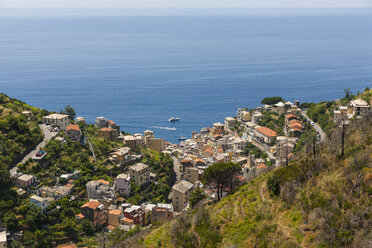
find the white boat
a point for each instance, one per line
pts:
(182, 138)
(172, 119)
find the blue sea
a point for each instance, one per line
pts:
(141, 70)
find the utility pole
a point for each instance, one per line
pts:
(314, 143)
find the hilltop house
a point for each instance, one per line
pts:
(358, 107)
(73, 132)
(57, 120)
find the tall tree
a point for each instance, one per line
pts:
(347, 93)
(221, 174)
(70, 111)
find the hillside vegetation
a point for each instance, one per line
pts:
(18, 135)
(316, 201)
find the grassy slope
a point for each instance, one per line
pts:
(17, 134)
(316, 207)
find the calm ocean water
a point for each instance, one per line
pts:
(140, 71)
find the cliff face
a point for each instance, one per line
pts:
(316, 201)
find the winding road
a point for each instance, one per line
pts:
(323, 136)
(176, 167)
(47, 136)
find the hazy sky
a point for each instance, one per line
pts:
(185, 3)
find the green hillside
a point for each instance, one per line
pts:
(321, 201)
(18, 133)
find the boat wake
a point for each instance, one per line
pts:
(165, 128)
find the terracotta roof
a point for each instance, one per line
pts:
(72, 127)
(295, 125)
(110, 227)
(92, 205)
(266, 131)
(199, 160)
(115, 212)
(125, 219)
(297, 129)
(106, 129)
(103, 181)
(209, 150)
(67, 246)
(290, 116)
(295, 121)
(261, 165)
(186, 160)
(80, 216)
(111, 122)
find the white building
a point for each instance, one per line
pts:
(358, 107)
(59, 120)
(39, 202)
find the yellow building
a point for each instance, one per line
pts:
(140, 173)
(113, 217)
(180, 195)
(192, 174)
